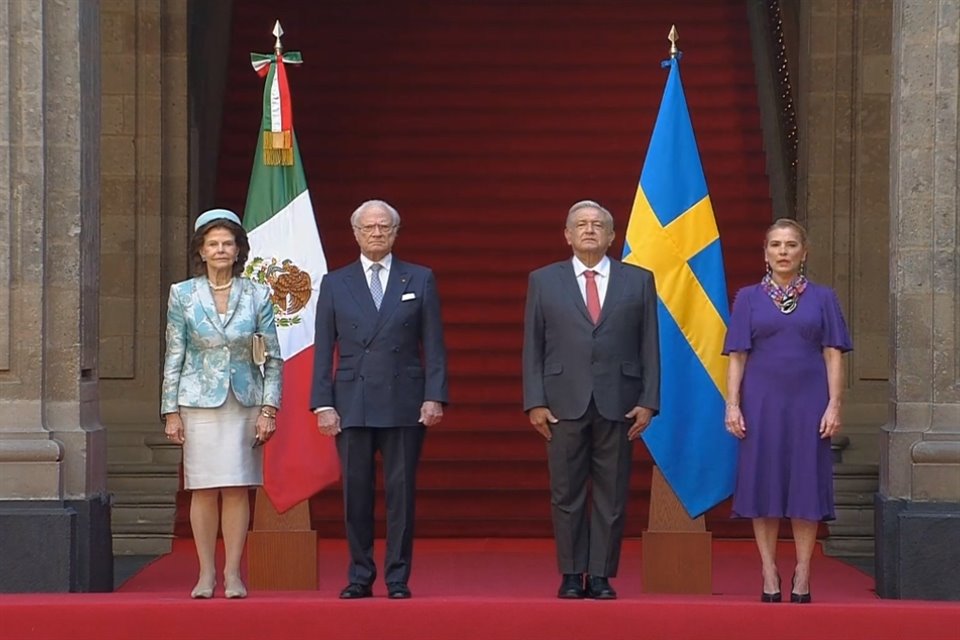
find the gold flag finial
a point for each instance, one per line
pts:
(673, 36)
(277, 32)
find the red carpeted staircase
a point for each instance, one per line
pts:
(482, 122)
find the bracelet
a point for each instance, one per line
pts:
(266, 413)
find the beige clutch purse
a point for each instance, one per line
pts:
(258, 349)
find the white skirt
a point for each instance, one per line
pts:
(218, 446)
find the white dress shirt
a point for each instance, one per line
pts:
(602, 277)
(385, 262)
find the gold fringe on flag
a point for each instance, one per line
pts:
(278, 148)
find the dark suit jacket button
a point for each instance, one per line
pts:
(367, 350)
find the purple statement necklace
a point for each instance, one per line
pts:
(785, 299)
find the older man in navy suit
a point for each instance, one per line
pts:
(591, 385)
(382, 318)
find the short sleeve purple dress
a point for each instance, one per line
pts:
(785, 470)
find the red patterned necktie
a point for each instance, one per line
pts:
(593, 295)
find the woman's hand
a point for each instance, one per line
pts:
(173, 427)
(734, 421)
(830, 422)
(266, 426)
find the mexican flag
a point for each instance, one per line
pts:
(286, 254)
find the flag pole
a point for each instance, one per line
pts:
(677, 549)
(281, 547)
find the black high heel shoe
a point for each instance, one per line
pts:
(771, 597)
(799, 598)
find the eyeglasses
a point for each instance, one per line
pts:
(583, 225)
(368, 229)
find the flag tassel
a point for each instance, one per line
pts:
(278, 148)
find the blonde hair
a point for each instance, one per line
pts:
(786, 223)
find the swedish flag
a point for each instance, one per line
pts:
(673, 233)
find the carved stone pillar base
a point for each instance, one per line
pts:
(917, 554)
(56, 546)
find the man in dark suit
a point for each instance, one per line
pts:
(382, 317)
(591, 385)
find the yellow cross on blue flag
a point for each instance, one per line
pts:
(673, 233)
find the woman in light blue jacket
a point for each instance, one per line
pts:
(216, 400)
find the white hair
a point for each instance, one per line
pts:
(590, 204)
(370, 204)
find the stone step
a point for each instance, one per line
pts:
(858, 484)
(142, 498)
(851, 546)
(854, 498)
(851, 534)
(123, 478)
(851, 522)
(134, 517)
(142, 522)
(851, 468)
(135, 544)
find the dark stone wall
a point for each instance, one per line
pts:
(53, 546)
(917, 549)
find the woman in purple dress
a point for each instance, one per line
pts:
(784, 387)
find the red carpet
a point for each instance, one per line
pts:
(481, 588)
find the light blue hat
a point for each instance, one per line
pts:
(216, 214)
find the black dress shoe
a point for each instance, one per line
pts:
(571, 587)
(398, 590)
(599, 588)
(355, 590)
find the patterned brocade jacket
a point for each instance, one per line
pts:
(207, 356)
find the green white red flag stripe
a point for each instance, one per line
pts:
(286, 253)
(276, 96)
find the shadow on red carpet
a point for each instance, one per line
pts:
(482, 588)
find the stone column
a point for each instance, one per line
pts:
(918, 506)
(144, 167)
(843, 120)
(54, 510)
(843, 102)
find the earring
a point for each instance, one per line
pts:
(803, 269)
(769, 268)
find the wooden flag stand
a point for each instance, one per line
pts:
(281, 548)
(677, 555)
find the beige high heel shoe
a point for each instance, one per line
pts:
(203, 591)
(234, 588)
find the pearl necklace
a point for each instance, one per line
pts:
(220, 287)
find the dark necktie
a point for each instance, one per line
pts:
(376, 287)
(593, 295)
